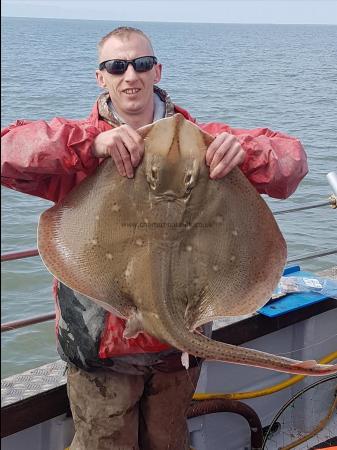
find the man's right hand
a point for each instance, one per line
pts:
(124, 145)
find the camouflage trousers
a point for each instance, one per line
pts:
(114, 411)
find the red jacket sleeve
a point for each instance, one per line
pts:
(275, 163)
(47, 159)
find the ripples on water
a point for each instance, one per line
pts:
(278, 76)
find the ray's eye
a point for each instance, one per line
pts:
(188, 178)
(154, 173)
(188, 182)
(153, 177)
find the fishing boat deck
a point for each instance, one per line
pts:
(39, 394)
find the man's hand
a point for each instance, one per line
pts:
(224, 153)
(124, 145)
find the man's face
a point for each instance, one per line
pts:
(131, 92)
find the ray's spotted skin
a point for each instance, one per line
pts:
(171, 249)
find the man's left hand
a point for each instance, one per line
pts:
(224, 153)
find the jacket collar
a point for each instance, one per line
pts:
(109, 115)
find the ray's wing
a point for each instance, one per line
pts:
(231, 258)
(87, 240)
(92, 239)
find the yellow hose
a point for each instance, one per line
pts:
(265, 391)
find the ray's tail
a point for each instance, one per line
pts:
(195, 344)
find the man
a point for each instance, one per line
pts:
(129, 393)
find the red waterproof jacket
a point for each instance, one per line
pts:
(47, 159)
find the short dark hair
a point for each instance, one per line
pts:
(122, 32)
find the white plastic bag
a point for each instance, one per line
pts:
(323, 286)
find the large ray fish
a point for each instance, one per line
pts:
(171, 249)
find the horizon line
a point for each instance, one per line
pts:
(162, 21)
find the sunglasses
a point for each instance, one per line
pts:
(119, 66)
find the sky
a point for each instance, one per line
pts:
(223, 11)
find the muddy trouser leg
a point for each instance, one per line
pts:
(163, 408)
(105, 408)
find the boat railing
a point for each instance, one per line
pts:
(8, 326)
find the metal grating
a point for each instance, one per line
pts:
(32, 382)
